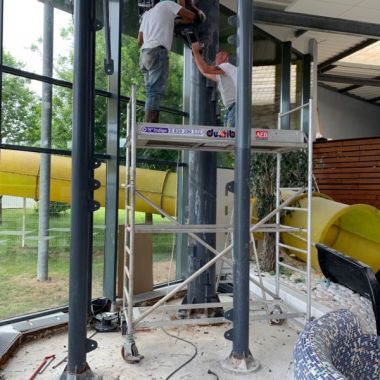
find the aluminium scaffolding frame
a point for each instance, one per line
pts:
(179, 137)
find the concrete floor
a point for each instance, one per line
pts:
(271, 345)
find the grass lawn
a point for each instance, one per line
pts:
(21, 293)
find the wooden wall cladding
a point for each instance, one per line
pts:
(349, 170)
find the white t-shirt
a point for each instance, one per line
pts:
(227, 83)
(157, 25)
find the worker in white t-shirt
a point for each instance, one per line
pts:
(155, 38)
(225, 75)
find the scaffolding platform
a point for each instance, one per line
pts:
(217, 139)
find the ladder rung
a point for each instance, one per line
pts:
(293, 268)
(296, 209)
(293, 229)
(293, 248)
(292, 188)
(126, 271)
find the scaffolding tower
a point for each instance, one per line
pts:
(208, 138)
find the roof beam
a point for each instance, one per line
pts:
(311, 22)
(356, 81)
(328, 64)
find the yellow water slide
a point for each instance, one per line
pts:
(353, 230)
(19, 177)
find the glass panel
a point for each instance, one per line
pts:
(20, 291)
(21, 110)
(23, 39)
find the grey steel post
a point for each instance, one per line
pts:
(241, 358)
(45, 159)
(112, 181)
(286, 63)
(202, 165)
(82, 204)
(306, 79)
(183, 173)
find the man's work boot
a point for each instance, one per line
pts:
(152, 116)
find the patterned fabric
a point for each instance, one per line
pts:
(333, 348)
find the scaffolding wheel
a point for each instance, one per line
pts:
(129, 351)
(276, 321)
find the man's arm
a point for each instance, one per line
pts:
(207, 70)
(187, 17)
(140, 39)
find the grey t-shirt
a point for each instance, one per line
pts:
(227, 83)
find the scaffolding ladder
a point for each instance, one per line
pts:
(225, 274)
(180, 137)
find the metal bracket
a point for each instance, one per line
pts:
(97, 163)
(91, 345)
(95, 206)
(230, 187)
(96, 184)
(229, 334)
(229, 315)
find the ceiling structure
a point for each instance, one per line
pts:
(347, 62)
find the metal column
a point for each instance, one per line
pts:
(45, 159)
(241, 359)
(202, 165)
(286, 63)
(306, 79)
(112, 181)
(82, 204)
(183, 173)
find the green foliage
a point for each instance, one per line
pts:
(263, 186)
(21, 110)
(55, 208)
(263, 176)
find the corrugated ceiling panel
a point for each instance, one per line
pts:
(369, 55)
(366, 92)
(354, 72)
(329, 45)
(338, 86)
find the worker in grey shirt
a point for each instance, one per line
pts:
(155, 38)
(225, 75)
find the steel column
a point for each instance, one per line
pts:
(240, 348)
(112, 181)
(82, 204)
(306, 82)
(202, 165)
(45, 159)
(286, 64)
(183, 173)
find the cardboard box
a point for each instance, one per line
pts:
(143, 280)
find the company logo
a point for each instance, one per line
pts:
(262, 134)
(221, 133)
(155, 130)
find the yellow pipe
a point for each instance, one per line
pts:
(353, 230)
(19, 177)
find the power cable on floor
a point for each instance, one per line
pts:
(213, 373)
(187, 361)
(174, 336)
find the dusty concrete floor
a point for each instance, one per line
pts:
(271, 345)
